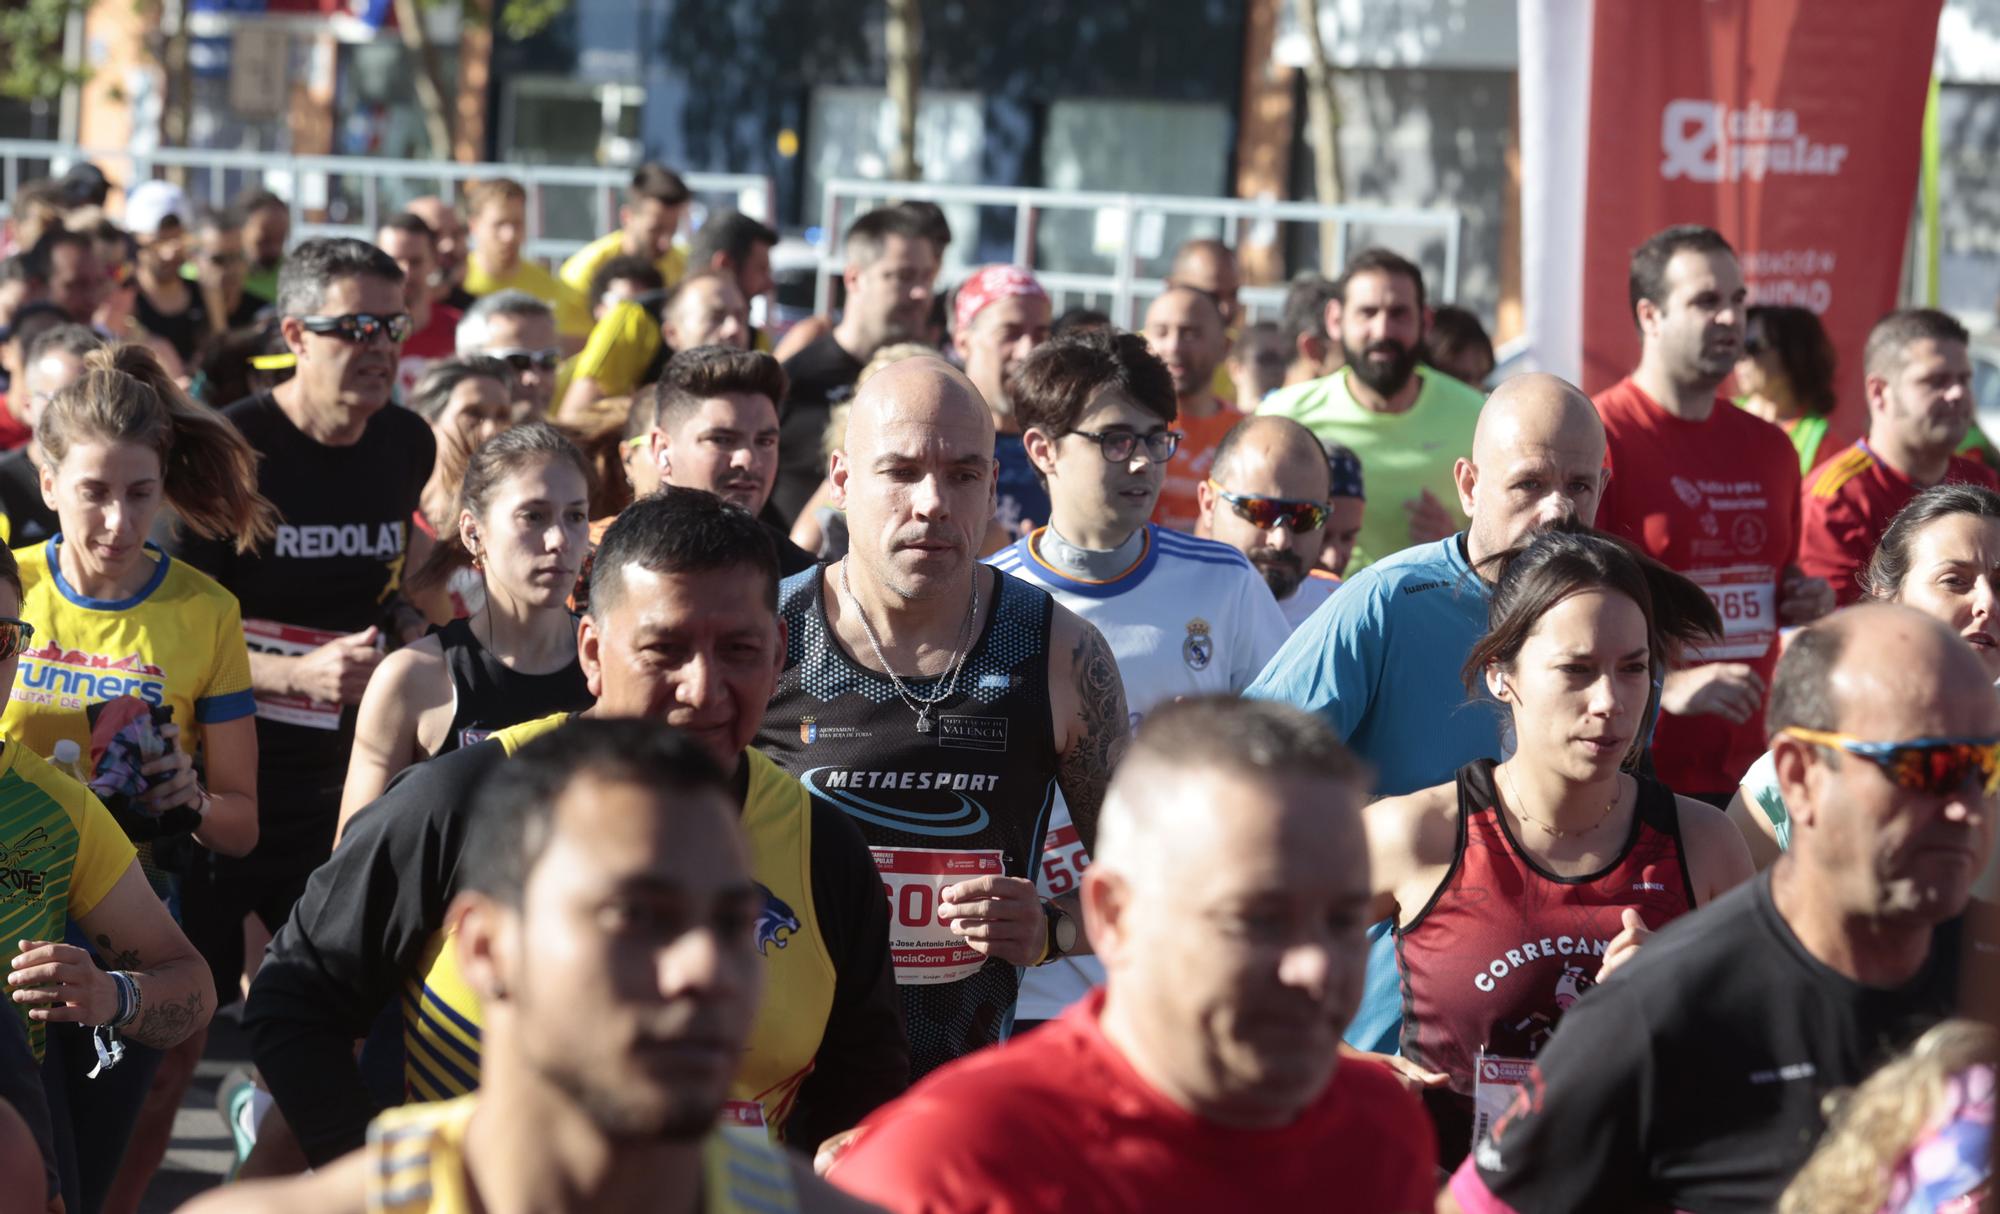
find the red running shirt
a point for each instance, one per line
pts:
(1718, 501)
(1505, 947)
(1848, 503)
(1082, 1131)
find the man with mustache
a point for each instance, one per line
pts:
(1408, 423)
(345, 471)
(1228, 902)
(1919, 391)
(1186, 331)
(944, 706)
(999, 316)
(1696, 1078)
(892, 265)
(1183, 616)
(1268, 496)
(609, 918)
(1712, 493)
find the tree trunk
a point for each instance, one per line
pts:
(903, 39)
(177, 103)
(1322, 131)
(429, 76)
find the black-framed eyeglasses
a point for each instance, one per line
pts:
(528, 360)
(357, 327)
(1264, 513)
(1118, 445)
(14, 636)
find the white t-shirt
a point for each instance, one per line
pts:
(1307, 598)
(1190, 617)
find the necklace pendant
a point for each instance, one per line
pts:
(924, 721)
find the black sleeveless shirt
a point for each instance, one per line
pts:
(969, 798)
(487, 696)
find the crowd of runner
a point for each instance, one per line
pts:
(950, 756)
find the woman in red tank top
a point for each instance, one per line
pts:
(1520, 885)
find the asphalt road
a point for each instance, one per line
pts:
(202, 1150)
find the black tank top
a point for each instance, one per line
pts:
(487, 696)
(971, 797)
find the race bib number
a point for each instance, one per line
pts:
(1063, 861)
(1746, 597)
(922, 946)
(290, 640)
(1496, 1079)
(742, 1114)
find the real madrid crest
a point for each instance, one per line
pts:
(1199, 648)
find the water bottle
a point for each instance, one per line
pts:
(68, 759)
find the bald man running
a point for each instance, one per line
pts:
(1381, 663)
(943, 706)
(1268, 496)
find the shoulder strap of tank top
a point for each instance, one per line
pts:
(1475, 793)
(1657, 807)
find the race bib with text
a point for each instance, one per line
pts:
(922, 946)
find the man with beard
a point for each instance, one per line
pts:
(1183, 616)
(448, 279)
(1185, 330)
(892, 264)
(1711, 492)
(1408, 424)
(1267, 498)
(609, 919)
(1919, 386)
(1000, 314)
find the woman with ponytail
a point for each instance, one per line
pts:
(122, 629)
(523, 524)
(1523, 882)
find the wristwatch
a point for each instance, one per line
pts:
(1062, 933)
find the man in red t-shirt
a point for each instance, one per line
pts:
(1712, 492)
(1184, 329)
(1228, 902)
(1919, 391)
(411, 243)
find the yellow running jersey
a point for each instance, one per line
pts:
(416, 1157)
(441, 1019)
(60, 853)
(178, 642)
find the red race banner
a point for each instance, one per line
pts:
(1793, 127)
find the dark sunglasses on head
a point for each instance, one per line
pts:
(1264, 513)
(14, 636)
(1937, 766)
(528, 360)
(361, 326)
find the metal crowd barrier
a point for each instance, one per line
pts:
(351, 195)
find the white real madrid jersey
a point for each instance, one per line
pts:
(1190, 617)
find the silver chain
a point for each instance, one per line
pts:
(922, 707)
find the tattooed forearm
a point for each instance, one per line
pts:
(115, 957)
(1098, 735)
(168, 1022)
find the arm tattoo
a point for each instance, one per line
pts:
(166, 1024)
(117, 959)
(1098, 741)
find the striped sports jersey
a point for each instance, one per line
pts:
(60, 853)
(416, 1157)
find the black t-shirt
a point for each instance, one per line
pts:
(822, 375)
(182, 330)
(1693, 1080)
(29, 519)
(334, 568)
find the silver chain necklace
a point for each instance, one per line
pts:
(922, 707)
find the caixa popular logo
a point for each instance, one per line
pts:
(1704, 140)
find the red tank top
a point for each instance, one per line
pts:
(1505, 947)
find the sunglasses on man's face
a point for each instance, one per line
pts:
(358, 327)
(528, 360)
(14, 636)
(1264, 513)
(1939, 767)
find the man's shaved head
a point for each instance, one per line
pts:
(1537, 456)
(1282, 444)
(916, 476)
